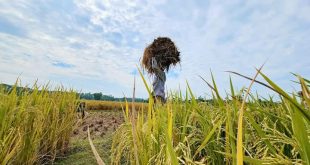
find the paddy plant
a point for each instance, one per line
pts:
(35, 123)
(188, 131)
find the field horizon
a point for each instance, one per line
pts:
(164, 82)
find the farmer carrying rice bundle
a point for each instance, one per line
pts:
(157, 59)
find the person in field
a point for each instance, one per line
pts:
(157, 59)
(158, 82)
(81, 106)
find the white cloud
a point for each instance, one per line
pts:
(104, 40)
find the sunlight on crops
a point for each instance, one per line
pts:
(35, 124)
(111, 105)
(184, 131)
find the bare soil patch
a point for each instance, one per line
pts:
(100, 123)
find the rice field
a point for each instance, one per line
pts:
(234, 131)
(36, 127)
(111, 105)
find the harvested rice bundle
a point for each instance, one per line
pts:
(165, 53)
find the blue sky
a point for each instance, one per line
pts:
(95, 45)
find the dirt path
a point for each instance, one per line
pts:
(102, 124)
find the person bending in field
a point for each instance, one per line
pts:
(158, 82)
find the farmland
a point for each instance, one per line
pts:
(226, 132)
(102, 124)
(36, 125)
(111, 105)
(148, 82)
(42, 127)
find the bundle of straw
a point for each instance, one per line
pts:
(164, 51)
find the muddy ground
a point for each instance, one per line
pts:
(102, 124)
(99, 122)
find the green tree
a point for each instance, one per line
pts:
(97, 96)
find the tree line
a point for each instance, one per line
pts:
(100, 96)
(86, 96)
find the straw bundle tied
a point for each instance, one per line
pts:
(165, 53)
